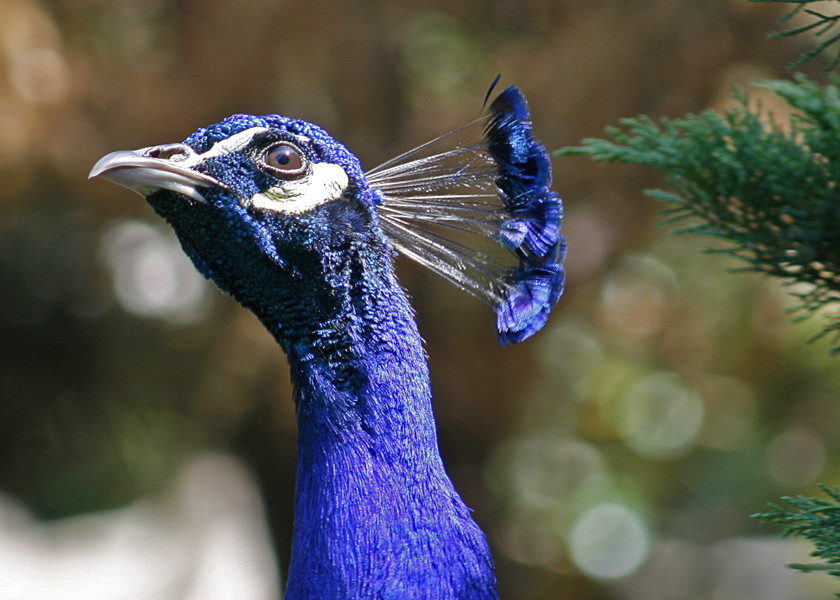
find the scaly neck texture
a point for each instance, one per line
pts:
(376, 516)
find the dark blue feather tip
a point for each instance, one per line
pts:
(534, 215)
(533, 293)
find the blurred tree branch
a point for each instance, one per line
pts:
(816, 520)
(769, 189)
(821, 25)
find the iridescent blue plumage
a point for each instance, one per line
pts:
(498, 187)
(536, 212)
(282, 216)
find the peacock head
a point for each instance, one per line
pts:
(267, 203)
(274, 210)
(267, 185)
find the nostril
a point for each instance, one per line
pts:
(176, 152)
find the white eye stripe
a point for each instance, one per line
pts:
(235, 143)
(326, 182)
(239, 141)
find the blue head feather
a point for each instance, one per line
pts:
(282, 216)
(533, 227)
(497, 187)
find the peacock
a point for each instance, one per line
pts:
(282, 217)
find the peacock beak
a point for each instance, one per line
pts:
(167, 167)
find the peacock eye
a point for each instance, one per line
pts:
(285, 160)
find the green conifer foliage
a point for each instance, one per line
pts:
(816, 520)
(768, 188)
(822, 27)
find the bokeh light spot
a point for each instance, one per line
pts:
(151, 275)
(635, 297)
(546, 468)
(660, 416)
(609, 541)
(795, 457)
(730, 412)
(530, 538)
(40, 75)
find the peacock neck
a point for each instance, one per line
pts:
(376, 516)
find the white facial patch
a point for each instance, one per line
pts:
(325, 182)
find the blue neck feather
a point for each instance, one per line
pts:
(376, 516)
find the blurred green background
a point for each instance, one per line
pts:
(618, 454)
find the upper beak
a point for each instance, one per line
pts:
(167, 167)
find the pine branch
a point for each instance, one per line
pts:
(769, 189)
(816, 520)
(822, 25)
